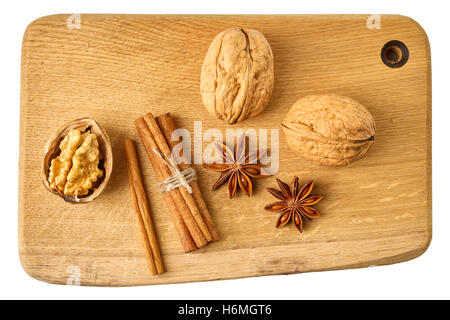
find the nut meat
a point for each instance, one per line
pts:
(61, 165)
(237, 75)
(84, 172)
(330, 130)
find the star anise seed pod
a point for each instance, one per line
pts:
(296, 203)
(237, 168)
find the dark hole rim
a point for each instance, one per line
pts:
(395, 45)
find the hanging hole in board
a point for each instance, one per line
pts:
(395, 54)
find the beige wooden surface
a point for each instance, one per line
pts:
(114, 68)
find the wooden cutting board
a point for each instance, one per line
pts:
(114, 68)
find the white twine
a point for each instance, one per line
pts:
(178, 179)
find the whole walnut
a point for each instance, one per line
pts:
(330, 130)
(237, 75)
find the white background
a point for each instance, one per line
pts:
(425, 277)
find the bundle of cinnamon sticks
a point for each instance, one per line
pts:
(186, 206)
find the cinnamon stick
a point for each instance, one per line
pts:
(142, 210)
(167, 126)
(188, 198)
(185, 223)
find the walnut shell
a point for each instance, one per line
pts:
(330, 130)
(104, 145)
(237, 75)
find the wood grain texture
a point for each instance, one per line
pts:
(115, 68)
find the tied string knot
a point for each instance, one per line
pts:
(179, 178)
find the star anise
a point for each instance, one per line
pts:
(296, 203)
(237, 167)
